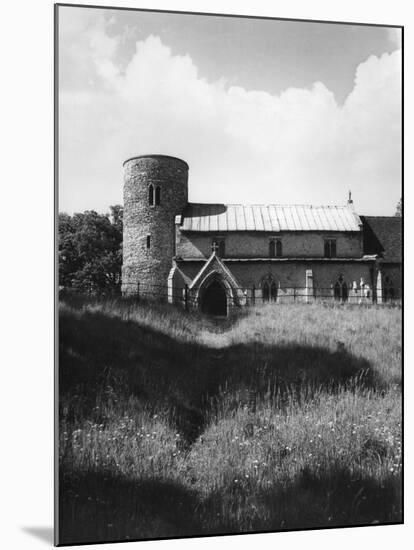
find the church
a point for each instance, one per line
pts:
(217, 257)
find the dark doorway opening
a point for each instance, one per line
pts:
(214, 300)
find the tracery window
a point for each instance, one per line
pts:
(341, 290)
(269, 289)
(265, 292)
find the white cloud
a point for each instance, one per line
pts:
(242, 146)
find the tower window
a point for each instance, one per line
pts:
(151, 195)
(148, 241)
(158, 195)
(330, 248)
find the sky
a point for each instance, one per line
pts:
(263, 111)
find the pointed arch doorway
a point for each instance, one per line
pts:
(214, 299)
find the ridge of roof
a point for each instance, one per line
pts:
(396, 218)
(269, 204)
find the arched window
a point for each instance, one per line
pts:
(265, 292)
(341, 289)
(151, 195)
(157, 195)
(273, 292)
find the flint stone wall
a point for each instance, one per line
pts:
(150, 266)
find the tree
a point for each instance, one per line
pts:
(398, 211)
(90, 251)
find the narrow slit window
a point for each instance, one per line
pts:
(151, 195)
(148, 241)
(157, 195)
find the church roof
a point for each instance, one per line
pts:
(268, 217)
(383, 236)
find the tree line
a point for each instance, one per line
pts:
(90, 251)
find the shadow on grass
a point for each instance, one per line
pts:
(104, 357)
(98, 507)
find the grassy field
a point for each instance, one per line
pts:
(173, 424)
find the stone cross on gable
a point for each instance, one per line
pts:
(215, 247)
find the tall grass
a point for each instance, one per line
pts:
(173, 424)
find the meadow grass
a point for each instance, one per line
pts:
(175, 424)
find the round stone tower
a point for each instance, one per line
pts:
(155, 192)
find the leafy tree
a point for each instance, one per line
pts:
(398, 212)
(90, 250)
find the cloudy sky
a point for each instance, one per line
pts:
(263, 111)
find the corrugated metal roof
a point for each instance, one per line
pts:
(268, 217)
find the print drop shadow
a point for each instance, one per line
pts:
(98, 507)
(44, 534)
(106, 357)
